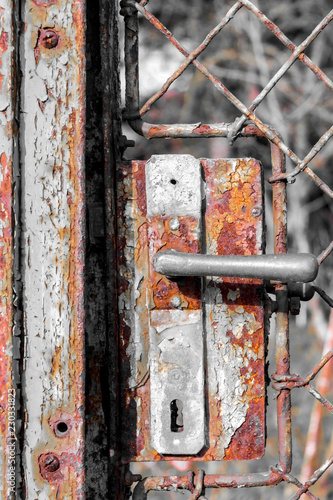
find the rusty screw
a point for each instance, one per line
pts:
(49, 38)
(49, 463)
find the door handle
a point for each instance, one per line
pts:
(301, 267)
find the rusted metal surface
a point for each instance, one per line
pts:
(235, 314)
(282, 354)
(282, 357)
(234, 311)
(52, 132)
(8, 134)
(175, 483)
(284, 381)
(325, 253)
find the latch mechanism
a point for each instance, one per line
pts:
(283, 267)
(200, 339)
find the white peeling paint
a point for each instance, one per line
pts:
(50, 111)
(173, 185)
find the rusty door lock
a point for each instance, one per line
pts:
(201, 341)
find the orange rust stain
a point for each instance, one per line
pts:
(248, 442)
(230, 233)
(67, 448)
(139, 186)
(41, 105)
(3, 160)
(6, 307)
(3, 44)
(64, 232)
(184, 239)
(56, 361)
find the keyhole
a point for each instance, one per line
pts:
(176, 408)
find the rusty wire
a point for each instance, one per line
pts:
(196, 494)
(289, 478)
(288, 43)
(313, 479)
(248, 113)
(292, 381)
(323, 295)
(325, 253)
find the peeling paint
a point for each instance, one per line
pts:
(173, 191)
(7, 152)
(235, 311)
(52, 136)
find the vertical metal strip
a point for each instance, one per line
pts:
(130, 14)
(52, 138)
(234, 223)
(282, 354)
(112, 130)
(8, 133)
(176, 355)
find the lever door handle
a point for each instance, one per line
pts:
(300, 267)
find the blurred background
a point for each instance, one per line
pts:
(244, 56)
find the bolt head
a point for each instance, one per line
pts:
(256, 211)
(176, 301)
(49, 463)
(176, 376)
(174, 224)
(49, 38)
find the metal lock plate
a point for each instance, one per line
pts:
(192, 388)
(177, 415)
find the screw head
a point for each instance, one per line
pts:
(174, 224)
(49, 463)
(256, 211)
(176, 301)
(48, 38)
(176, 375)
